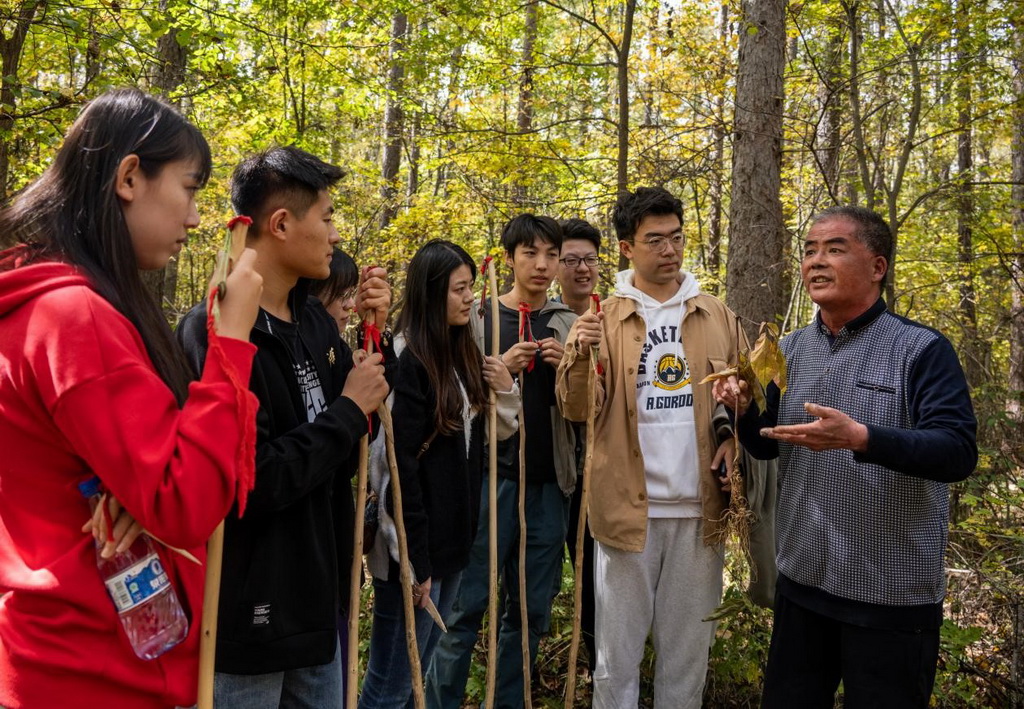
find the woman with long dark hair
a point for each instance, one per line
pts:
(92, 384)
(440, 402)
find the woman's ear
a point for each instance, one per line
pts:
(126, 181)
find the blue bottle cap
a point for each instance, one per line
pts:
(90, 487)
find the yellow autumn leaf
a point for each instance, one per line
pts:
(765, 363)
(767, 360)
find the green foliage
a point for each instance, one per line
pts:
(953, 688)
(740, 651)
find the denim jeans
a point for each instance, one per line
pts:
(317, 687)
(388, 684)
(547, 511)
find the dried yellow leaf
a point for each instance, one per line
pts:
(767, 360)
(724, 374)
(765, 363)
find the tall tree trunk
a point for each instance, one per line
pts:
(1016, 404)
(757, 237)
(171, 60)
(524, 110)
(867, 182)
(413, 183)
(391, 153)
(715, 189)
(93, 56)
(829, 136)
(895, 188)
(622, 125)
(17, 20)
(168, 73)
(972, 350)
(448, 122)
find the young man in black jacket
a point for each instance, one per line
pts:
(285, 568)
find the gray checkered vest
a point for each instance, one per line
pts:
(856, 530)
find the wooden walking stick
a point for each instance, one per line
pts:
(234, 244)
(412, 647)
(577, 595)
(492, 492)
(355, 581)
(356, 571)
(524, 626)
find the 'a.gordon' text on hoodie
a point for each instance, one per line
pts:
(664, 398)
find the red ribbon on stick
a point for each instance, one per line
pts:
(245, 457)
(240, 219)
(483, 293)
(371, 333)
(524, 327)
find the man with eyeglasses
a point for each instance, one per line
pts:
(657, 503)
(577, 263)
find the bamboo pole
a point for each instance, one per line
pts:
(208, 626)
(524, 625)
(412, 647)
(356, 571)
(238, 229)
(492, 499)
(581, 527)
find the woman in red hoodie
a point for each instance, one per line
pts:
(92, 383)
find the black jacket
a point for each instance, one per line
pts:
(286, 563)
(440, 490)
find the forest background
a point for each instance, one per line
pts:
(451, 116)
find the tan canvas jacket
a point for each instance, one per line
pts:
(618, 490)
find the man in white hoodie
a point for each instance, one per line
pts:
(657, 499)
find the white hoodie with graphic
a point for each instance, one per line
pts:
(664, 402)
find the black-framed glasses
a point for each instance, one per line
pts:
(573, 261)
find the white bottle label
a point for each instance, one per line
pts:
(138, 583)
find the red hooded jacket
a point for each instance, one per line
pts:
(79, 396)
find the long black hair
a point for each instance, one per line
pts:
(448, 352)
(72, 212)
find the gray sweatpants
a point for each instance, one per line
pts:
(667, 589)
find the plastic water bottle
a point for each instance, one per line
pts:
(142, 594)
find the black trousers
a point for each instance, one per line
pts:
(811, 653)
